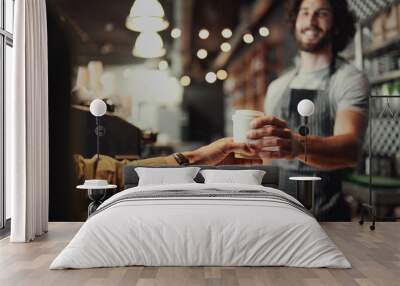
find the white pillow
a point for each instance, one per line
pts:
(247, 177)
(165, 176)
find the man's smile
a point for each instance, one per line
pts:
(311, 33)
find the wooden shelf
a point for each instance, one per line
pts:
(384, 96)
(375, 50)
(389, 76)
(377, 181)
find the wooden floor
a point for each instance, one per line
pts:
(375, 257)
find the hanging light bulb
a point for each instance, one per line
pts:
(248, 38)
(222, 74)
(146, 15)
(225, 47)
(202, 54)
(204, 34)
(149, 45)
(226, 33)
(264, 32)
(211, 77)
(185, 80)
(176, 33)
(163, 65)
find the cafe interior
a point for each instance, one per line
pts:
(173, 84)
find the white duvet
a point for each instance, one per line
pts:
(200, 231)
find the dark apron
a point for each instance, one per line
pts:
(329, 202)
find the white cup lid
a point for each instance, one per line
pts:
(247, 113)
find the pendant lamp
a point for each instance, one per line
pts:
(148, 45)
(146, 15)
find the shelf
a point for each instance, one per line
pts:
(374, 50)
(377, 181)
(383, 47)
(384, 96)
(389, 76)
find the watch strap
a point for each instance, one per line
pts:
(181, 159)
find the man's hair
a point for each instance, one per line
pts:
(343, 26)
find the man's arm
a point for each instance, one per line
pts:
(341, 150)
(334, 152)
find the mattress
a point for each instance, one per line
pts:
(201, 225)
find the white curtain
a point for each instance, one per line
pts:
(27, 124)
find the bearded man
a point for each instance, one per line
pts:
(322, 29)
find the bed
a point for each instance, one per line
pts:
(197, 224)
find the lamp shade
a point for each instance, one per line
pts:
(306, 107)
(82, 79)
(146, 15)
(95, 69)
(98, 108)
(149, 45)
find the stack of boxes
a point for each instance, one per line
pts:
(383, 67)
(386, 26)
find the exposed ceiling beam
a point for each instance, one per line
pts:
(187, 11)
(175, 54)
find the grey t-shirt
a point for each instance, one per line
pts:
(349, 87)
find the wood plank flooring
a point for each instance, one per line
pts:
(375, 257)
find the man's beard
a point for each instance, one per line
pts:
(324, 42)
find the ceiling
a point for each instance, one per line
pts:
(97, 27)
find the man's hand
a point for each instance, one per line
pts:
(270, 132)
(221, 152)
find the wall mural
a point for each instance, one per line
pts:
(243, 87)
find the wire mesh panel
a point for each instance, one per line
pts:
(383, 136)
(366, 9)
(385, 126)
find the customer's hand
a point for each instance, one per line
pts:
(271, 132)
(221, 152)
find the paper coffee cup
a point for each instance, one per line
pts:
(241, 124)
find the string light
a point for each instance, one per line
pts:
(202, 54)
(264, 32)
(185, 80)
(176, 33)
(222, 75)
(248, 38)
(204, 34)
(163, 65)
(211, 77)
(225, 47)
(226, 33)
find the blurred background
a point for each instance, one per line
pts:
(172, 82)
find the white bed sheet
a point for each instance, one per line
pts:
(200, 232)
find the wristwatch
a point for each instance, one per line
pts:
(181, 159)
